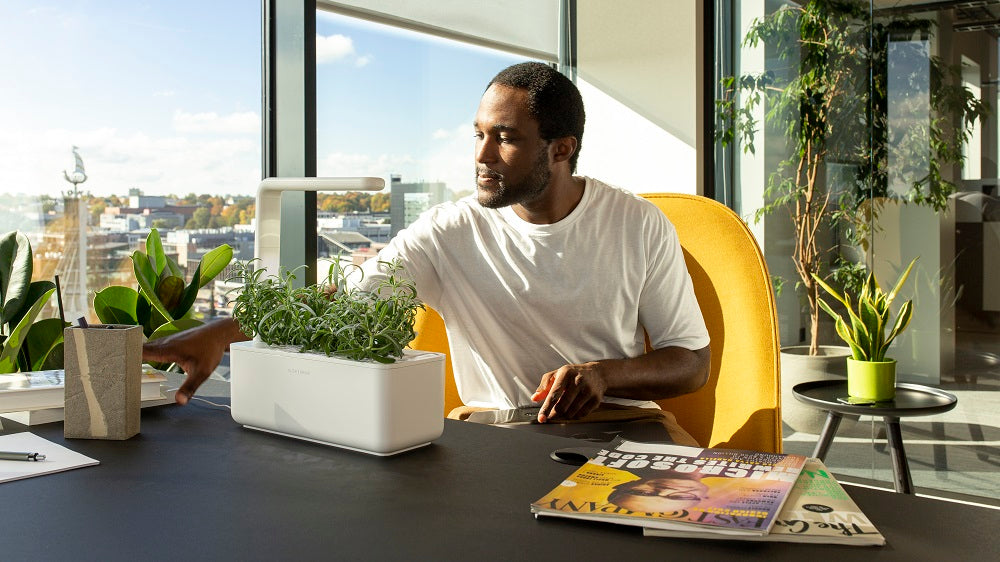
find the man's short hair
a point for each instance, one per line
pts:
(553, 100)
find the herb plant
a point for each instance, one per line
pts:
(329, 317)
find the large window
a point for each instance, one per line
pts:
(152, 109)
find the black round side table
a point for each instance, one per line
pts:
(911, 400)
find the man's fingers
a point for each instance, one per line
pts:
(553, 394)
(543, 388)
(187, 390)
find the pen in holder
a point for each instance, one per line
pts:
(103, 381)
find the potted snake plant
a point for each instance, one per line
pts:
(328, 362)
(869, 331)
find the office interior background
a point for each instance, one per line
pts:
(167, 114)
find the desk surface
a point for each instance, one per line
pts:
(195, 485)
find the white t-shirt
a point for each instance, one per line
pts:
(515, 296)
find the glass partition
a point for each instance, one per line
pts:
(863, 135)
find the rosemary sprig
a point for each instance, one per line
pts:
(330, 317)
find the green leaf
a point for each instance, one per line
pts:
(189, 296)
(154, 251)
(845, 334)
(146, 279)
(902, 321)
(35, 290)
(117, 305)
(12, 345)
(213, 263)
(833, 292)
(15, 274)
(173, 268)
(169, 291)
(44, 339)
(174, 327)
(143, 310)
(899, 283)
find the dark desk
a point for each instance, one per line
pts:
(911, 400)
(194, 485)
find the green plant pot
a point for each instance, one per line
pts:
(871, 380)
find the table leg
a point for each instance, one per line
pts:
(900, 466)
(827, 435)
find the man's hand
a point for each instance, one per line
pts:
(570, 392)
(198, 351)
(573, 391)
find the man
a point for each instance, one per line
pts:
(544, 280)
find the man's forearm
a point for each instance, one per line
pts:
(660, 373)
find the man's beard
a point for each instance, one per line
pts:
(512, 194)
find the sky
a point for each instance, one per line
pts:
(158, 99)
(165, 96)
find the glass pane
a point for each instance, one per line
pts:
(122, 117)
(639, 94)
(875, 143)
(399, 105)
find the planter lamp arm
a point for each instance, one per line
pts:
(267, 241)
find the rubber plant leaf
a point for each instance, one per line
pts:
(15, 274)
(147, 282)
(12, 345)
(154, 251)
(117, 305)
(170, 290)
(212, 264)
(35, 290)
(188, 296)
(45, 338)
(174, 327)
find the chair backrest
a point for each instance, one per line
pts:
(740, 406)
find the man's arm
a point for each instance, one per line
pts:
(573, 391)
(197, 351)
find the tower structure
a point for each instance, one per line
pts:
(72, 267)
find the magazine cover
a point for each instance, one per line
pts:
(818, 510)
(679, 488)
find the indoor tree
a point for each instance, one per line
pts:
(827, 98)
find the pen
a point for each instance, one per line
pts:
(15, 456)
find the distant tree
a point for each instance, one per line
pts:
(199, 219)
(380, 203)
(161, 224)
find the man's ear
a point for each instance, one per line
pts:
(562, 149)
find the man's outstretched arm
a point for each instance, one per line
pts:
(198, 351)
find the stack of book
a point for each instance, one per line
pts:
(37, 397)
(676, 491)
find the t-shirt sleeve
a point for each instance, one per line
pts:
(413, 247)
(668, 308)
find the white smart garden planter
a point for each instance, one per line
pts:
(375, 408)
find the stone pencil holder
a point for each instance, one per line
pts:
(103, 381)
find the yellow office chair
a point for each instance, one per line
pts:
(740, 406)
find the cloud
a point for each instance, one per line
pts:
(247, 122)
(117, 160)
(339, 48)
(378, 165)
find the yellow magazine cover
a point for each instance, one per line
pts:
(674, 487)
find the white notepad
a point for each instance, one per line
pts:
(57, 457)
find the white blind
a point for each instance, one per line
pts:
(526, 27)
